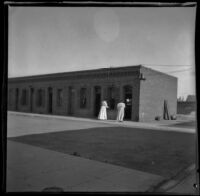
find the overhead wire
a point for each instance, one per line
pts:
(170, 72)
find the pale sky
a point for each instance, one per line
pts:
(60, 39)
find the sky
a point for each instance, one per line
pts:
(46, 40)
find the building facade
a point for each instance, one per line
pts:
(80, 93)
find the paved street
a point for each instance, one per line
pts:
(32, 124)
(26, 123)
(31, 168)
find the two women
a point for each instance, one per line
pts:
(120, 111)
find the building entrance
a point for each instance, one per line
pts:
(97, 100)
(128, 102)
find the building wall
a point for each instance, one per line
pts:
(147, 96)
(12, 98)
(153, 91)
(76, 83)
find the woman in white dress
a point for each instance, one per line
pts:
(103, 113)
(120, 111)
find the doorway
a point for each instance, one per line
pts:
(71, 101)
(97, 100)
(50, 98)
(128, 102)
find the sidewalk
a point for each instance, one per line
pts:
(162, 125)
(33, 169)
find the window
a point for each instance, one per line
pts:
(111, 98)
(83, 99)
(40, 98)
(10, 97)
(59, 97)
(24, 97)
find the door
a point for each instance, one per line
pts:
(97, 100)
(50, 97)
(128, 102)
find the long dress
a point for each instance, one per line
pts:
(103, 114)
(120, 111)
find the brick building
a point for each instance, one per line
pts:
(80, 93)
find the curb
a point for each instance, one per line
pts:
(168, 184)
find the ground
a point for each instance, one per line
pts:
(159, 154)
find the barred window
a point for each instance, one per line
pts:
(24, 97)
(83, 98)
(40, 97)
(111, 98)
(59, 97)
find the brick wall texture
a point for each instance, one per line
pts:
(153, 91)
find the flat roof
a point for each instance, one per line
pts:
(82, 72)
(85, 73)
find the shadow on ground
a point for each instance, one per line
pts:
(158, 152)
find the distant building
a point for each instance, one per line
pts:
(80, 93)
(187, 106)
(191, 98)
